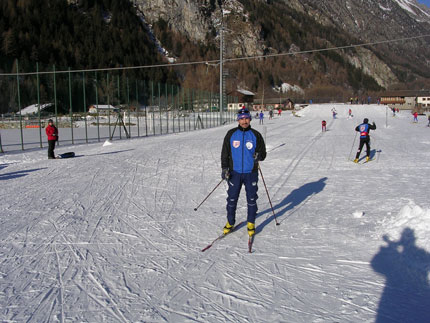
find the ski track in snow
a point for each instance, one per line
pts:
(111, 236)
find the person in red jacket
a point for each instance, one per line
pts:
(324, 125)
(52, 133)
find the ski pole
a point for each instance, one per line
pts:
(352, 147)
(195, 209)
(267, 192)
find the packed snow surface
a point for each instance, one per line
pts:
(112, 235)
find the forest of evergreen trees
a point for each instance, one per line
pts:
(87, 34)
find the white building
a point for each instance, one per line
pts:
(101, 109)
(424, 101)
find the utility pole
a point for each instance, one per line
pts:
(262, 101)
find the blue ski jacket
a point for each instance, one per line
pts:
(364, 129)
(239, 148)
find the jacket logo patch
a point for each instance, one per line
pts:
(249, 145)
(236, 143)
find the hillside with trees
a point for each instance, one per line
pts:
(103, 34)
(83, 35)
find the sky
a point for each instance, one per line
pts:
(112, 236)
(426, 2)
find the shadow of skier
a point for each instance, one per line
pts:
(295, 198)
(17, 174)
(406, 296)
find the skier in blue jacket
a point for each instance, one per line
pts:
(242, 149)
(364, 130)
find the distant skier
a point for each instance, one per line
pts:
(323, 125)
(428, 125)
(350, 113)
(242, 149)
(52, 133)
(364, 130)
(261, 117)
(270, 114)
(415, 117)
(334, 112)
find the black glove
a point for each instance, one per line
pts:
(257, 157)
(225, 173)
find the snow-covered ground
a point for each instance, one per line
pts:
(111, 235)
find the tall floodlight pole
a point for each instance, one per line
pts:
(221, 49)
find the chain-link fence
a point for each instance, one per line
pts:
(91, 106)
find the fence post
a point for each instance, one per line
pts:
(55, 99)
(71, 106)
(108, 88)
(173, 110)
(85, 107)
(128, 104)
(38, 103)
(146, 109)
(210, 109)
(179, 103)
(19, 104)
(183, 99)
(190, 108)
(193, 98)
(119, 103)
(159, 107)
(167, 108)
(97, 105)
(1, 147)
(152, 107)
(137, 108)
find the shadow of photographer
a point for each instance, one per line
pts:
(406, 267)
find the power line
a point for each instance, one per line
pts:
(225, 60)
(326, 49)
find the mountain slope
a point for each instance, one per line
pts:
(261, 27)
(107, 33)
(373, 21)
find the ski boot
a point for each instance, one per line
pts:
(251, 229)
(367, 159)
(228, 228)
(356, 160)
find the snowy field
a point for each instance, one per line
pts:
(111, 235)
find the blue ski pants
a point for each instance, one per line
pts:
(235, 182)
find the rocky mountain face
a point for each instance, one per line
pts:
(195, 19)
(373, 21)
(352, 21)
